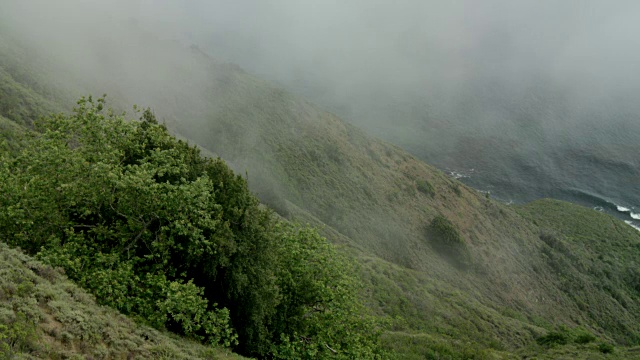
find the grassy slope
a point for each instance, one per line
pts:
(26, 91)
(603, 252)
(312, 167)
(366, 190)
(46, 316)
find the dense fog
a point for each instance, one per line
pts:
(525, 99)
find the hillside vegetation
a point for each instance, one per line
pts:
(176, 240)
(452, 273)
(44, 315)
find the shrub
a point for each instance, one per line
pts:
(445, 232)
(553, 338)
(583, 337)
(17, 336)
(456, 189)
(606, 348)
(632, 278)
(446, 239)
(425, 187)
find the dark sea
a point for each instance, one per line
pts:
(607, 187)
(518, 140)
(600, 170)
(527, 146)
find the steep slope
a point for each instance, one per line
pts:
(492, 289)
(597, 258)
(45, 316)
(384, 200)
(158, 232)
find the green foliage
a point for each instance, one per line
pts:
(553, 338)
(115, 205)
(563, 335)
(425, 187)
(446, 239)
(320, 316)
(596, 257)
(45, 316)
(16, 336)
(421, 346)
(177, 240)
(456, 188)
(606, 348)
(445, 233)
(584, 338)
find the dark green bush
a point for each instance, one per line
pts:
(583, 337)
(606, 348)
(447, 241)
(632, 278)
(16, 336)
(445, 232)
(425, 187)
(456, 189)
(553, 338)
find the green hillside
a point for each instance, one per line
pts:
(453, 273)
(176, 240)
(43, 315)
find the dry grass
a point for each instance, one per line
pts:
(46, 316)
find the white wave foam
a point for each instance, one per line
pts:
(598, 208)
(622, 208)
(635, 216)
(630, 223)
(457, 175)
(460, 174)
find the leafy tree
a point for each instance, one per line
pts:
(319, 315)
(157, 231)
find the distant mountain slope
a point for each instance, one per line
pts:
(600, 254)
(45, 316)
(456, 273)
(384, 200)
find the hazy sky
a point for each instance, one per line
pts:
(419, 73)
(383, 63)
(351, 54)
(401, 45)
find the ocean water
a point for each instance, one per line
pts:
(519, 138)
(603, 176)
(519, 146)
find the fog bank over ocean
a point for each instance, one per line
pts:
(524, 99)
(527, 99)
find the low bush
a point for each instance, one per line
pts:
(425, 187)
(16, 336)
(583, 337)
(445, 232)
(553, 338)
(606, 348)
(446, 239)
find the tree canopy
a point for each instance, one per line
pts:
(177, 240)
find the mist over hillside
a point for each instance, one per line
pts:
(485, 92)
(523, 99)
